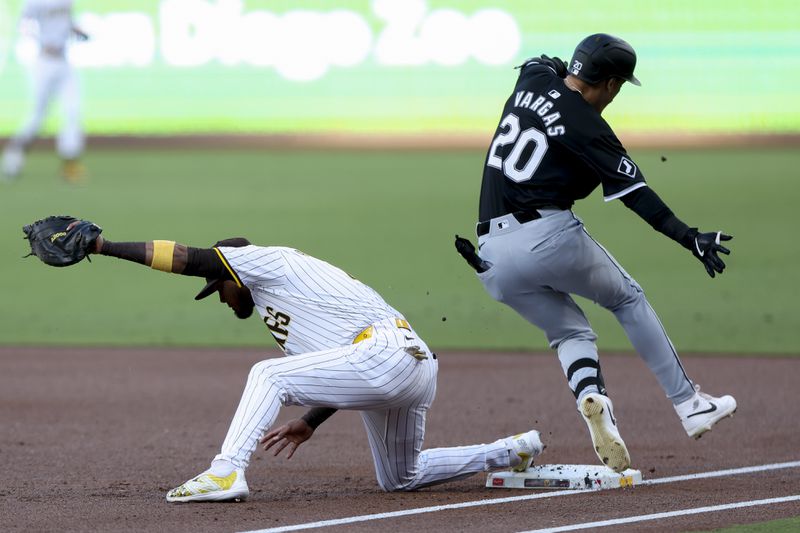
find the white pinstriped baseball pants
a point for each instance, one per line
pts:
(378, 377)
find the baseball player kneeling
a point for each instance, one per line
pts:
(346, 348)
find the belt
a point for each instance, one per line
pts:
(521, 216)
(400, 323)
(53, 51)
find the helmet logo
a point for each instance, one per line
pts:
(627, 167)
(576, 67)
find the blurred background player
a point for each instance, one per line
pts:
(52, 76)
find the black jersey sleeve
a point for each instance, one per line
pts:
(205, 262)
(592, 142)
(648, 205)
(619, 174)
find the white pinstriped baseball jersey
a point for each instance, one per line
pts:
(306, 303)
(348, 349)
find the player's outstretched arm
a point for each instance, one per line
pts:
(167, 256)
(704, 246)
(63, 241)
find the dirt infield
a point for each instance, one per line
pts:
(93, 438)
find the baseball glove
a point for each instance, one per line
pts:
(57, 244)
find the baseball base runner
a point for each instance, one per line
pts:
(552, 148)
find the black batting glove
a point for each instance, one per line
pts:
(706, 246)
(557, 64)
(470, 255)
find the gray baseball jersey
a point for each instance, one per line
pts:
(347, 349)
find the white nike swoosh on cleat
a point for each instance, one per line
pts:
(709, 410)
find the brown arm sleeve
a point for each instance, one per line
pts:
(201, 262)
(317, 415)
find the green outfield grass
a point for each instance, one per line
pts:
(787, 525)
(389, 219)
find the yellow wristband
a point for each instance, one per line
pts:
(162, 255)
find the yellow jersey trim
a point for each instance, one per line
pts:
(228, 266)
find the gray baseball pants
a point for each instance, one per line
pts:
(535, 268)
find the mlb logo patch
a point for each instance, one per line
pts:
(627, 167)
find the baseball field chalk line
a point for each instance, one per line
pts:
(542, 495)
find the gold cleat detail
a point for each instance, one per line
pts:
(208, 487)
(73, 172)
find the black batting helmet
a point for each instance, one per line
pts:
(602, 56)
(211, 283)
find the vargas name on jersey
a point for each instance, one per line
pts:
(550, 149)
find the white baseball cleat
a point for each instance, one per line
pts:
(523, 448)
(702, 411)
(597, 411)
(210, 488)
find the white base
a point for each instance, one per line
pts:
(576, 477)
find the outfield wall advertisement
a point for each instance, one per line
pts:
(404, 66)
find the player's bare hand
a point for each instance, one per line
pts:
(80, 35)
(290, 435)
(98, 243)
